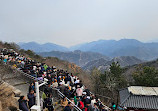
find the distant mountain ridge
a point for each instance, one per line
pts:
(47, 47)
(123, 47)
(78, 57)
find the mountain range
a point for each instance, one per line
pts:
(123, 47)
(78, 57)
(110, 48)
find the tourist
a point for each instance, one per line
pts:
(64, 102)
(81, 104)
(87, 91)
(79, 91)
(68, 108)
(32, 87)
(93, 100)
(49, 103)
(31, 97)
(113, 106)
(75, 99)
(95, 107)
(23, 104)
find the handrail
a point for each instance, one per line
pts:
(75, 106)
(102, 103)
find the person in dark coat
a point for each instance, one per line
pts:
(48, 90)
(23, 104)
(87, 91)
(89, 107)
(31, 96)
(67, 108)
(86, 100)
(49, 103)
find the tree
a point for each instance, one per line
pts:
(95, 77)
(114, 79)
(115, 69)
(108, 83)
(116, 73)
(146, 76)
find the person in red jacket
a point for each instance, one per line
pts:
(81, 104)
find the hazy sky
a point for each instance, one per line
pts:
(70, 22)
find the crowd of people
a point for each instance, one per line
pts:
(71, 86)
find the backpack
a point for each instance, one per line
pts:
(81, 105)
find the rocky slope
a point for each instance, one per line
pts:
(103, 64)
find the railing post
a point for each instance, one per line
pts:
(37, 94)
